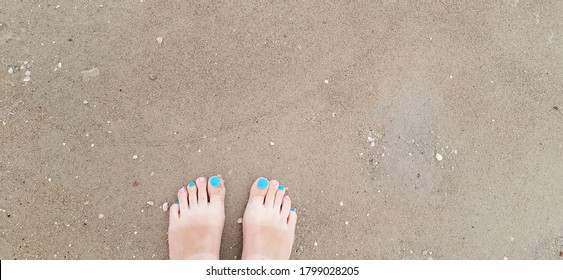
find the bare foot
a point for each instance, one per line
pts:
(269, 222)
(197, 219)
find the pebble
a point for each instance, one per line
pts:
(11, 70)
(272, 143)
(341, 203)
(101, 216)
(85, 101)
(135, 157)
(27, 79)
(27, 73)
(159, 40)
(439, 157)
(89, 75)
(315, 243)
(326, 81)
(165, 206)
(346, 223)
(152, 76)
(239, 220)
(151, 203)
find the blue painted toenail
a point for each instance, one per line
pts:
(262, 183)
(176, 202)
(191, 184)
(215, 181)
(292, 209)
(281, 188)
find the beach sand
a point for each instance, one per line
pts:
(402, 129)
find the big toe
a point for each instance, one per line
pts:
(216, 189)
(259, 188)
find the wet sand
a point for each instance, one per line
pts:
(403, 129)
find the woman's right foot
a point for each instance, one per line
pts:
(268, 222)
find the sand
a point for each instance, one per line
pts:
(403, 129)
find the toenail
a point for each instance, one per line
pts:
(292, 209)
(182, 190)
(191, 184)
(262, 183)
(286, 197)
(201, 179)
(215, 181)
(281, 188)
(176, 202)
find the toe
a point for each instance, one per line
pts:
(201, 184)
(259, 188)
(192, 193)
(174, 211)
(286, 206)
(279, 197)
(271, 193)
(292, 219)
(216, 189)
(183, 199)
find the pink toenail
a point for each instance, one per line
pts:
(182, 190)
(200, 179)
(286, 197)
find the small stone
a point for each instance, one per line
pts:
(239, 220)
(152, 173)
(272, 143)
(27, 79)
(370, 139)
(165, 206)
(151, 203)
(11, 70)
(439, 157)
(85, 102)
(101, 216)
(89, 75)
(326, 81)
(135, 157)
(27, 73)
(152, 76)
(316, 244)
(341, 203)
(346, 223)
(92, 145)
(159, 40)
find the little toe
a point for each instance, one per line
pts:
(292, 219)
(279, 197)
(174, 211)
(216, 189)
(201, 184)
(192, 193)
(271, 193)
(259, 188)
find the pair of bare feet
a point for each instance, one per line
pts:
(197, 219)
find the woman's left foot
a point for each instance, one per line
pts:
(197, 219)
